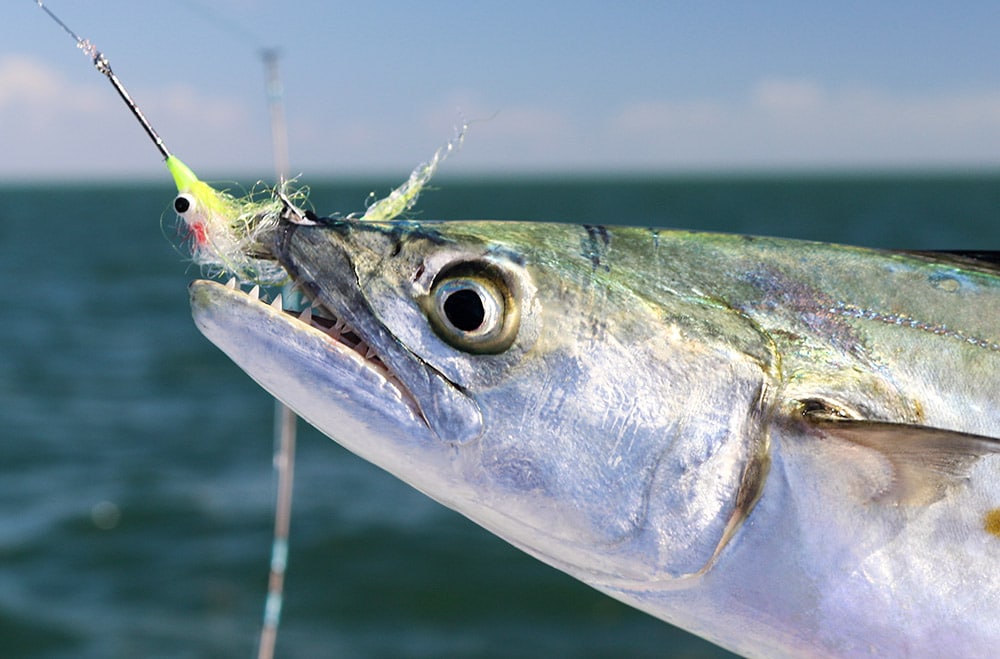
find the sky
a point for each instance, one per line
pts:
(374, 87)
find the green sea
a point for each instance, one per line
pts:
(136, 483)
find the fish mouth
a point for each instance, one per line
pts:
(299, 311)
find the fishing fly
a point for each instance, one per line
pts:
(225, 233)
(222, 231)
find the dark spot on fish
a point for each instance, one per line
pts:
(597, 328)
(602, 231)
(338, 224)
(991, 522)
(595, 245)
(419, 273)
(399, 231)
(397, 247)
(407, 230)
(396, 236)
(507, 253)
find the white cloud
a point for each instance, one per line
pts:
(33, 91)
(778, 96)
(649, 117)
(21, 78)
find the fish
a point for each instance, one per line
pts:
(788, 448)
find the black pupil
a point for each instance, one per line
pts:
(465, 310)
(181, 204)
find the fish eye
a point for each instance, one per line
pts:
(184, 202)
(471, 308)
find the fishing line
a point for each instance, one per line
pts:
(102, 64)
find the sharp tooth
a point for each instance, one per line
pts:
(231, 283)
(369, 353)
(277, 302)
(307, 315)
(255, 292)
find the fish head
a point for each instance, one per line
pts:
(498, 368)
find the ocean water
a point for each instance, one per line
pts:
(136, 487)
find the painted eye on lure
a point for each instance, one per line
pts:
(471, 308)
(184, 203)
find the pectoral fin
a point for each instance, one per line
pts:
(925, 461)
